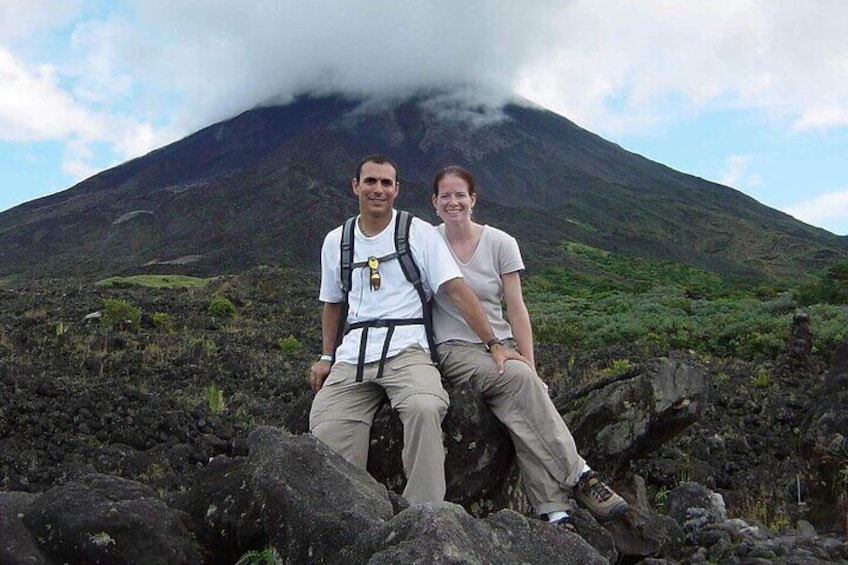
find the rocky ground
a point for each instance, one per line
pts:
(154, 401)
(134, 400)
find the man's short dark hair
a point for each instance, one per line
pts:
(380, 160)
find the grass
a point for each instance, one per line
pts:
(155, 281)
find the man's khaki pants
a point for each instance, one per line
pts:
(343, 410)
(544, 447)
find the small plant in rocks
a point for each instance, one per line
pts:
(215, 399)
(290, 346)
(267, 556)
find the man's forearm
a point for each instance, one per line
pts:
(469, 306)
(331, 319)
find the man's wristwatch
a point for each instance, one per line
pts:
(327, 358)
(491, 343)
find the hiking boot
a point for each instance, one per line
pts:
(598, 498)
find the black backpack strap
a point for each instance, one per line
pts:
(383, 259)
(390, 324)
(410, 270)
(346, 272)
(346, 254)
(413, 275)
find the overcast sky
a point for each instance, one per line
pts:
(748, 93)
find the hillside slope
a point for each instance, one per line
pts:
(264, 187)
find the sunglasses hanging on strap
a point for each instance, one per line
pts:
(374, 276)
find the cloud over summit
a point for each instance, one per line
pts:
(131, 75)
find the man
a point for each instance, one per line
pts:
(374, 361)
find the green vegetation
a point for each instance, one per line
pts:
(203, 346)
(290, 346)
(61, 328)
(162, 321)
(617, 367)
(614, 299)
(762, 378)
(215, 399)
(832, 288)
(765, 506)
(155, 281)
(221, 307)
(267, 556)
(118, 313)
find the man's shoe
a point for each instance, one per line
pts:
(562, 523)
(598, 498)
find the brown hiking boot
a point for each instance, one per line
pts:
(598, 498)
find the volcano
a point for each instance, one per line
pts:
(265, 186)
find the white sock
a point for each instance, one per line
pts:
(557, 516)
(586, 469)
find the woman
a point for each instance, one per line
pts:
(491, 262)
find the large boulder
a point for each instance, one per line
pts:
(613, 421)
(479, 455)
(294, 494)
(630, 415)
(444, 533)
(226, 513)
(313, 503)
(479, 461)
(107, 519)
(17, 546)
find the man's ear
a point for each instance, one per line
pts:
(354, 184)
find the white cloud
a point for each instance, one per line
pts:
(23, 18)
(734, 168)
(615, 66)
(828, 209)
(41, 102)
(138, 73)
(622, 67)
(34, 107)
(736, 173)
(77, 159)
(33, 104)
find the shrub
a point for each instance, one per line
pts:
(762, 378)
(117, 313)
(221, 307)
(162, 321)
(290, 346)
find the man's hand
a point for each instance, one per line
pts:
(501, 354)
(318, 374)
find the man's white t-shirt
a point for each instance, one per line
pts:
(396, 297)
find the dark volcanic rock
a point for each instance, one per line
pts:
(134, 402)
(313, 502)
(105, 519)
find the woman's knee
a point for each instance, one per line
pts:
(517, 376)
